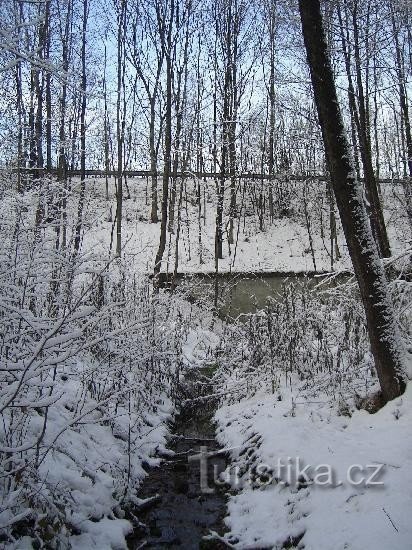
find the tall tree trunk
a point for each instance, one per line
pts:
(38, 125)
(385, 341)
(63, 153)
(48, 90)
(271, 155)
(21, 157)
(120, 126)
(80, 207)
(166, 38)
(106, 128)
(376, 213)
(154, 217)
(19, 101)
(180, 102)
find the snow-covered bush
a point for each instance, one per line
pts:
(311, 339)
(89, 364)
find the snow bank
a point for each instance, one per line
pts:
(265, 513)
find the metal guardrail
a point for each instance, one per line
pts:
(187, 174)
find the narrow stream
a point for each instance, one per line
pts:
(183, 514)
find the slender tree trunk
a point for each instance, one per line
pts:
(167, 46)
(19, 101)
(48, 90)
(271, 156)
(62, 157)
(77, 238)
(21, 157)
(179, 223)
(120, 127)
(106, 128)
(219, 180)
(154, 217)
(220, 189)
(39, 121)
(385, 341)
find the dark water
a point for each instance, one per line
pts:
(245, 293)
(184, 514)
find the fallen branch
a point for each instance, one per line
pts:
(148, 503)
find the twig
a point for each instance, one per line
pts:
(148, 503)
(390, 519)
(215, 536)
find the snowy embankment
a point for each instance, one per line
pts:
(341, 510)
(98, 454)
(309, 467)
(88, 462)
(91, 370)
(282, 246)
(101, 451)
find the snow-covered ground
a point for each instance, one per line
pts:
(88, 456)
(309, 468)
(344, 512)
(283, 246)
(86, 466)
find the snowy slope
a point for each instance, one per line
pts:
(282, 247)
(269, 514)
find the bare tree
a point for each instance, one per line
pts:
(120, 120)
(80, 207)
(385, 342)
(143, 43)
(360, 112)
(165, 13)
